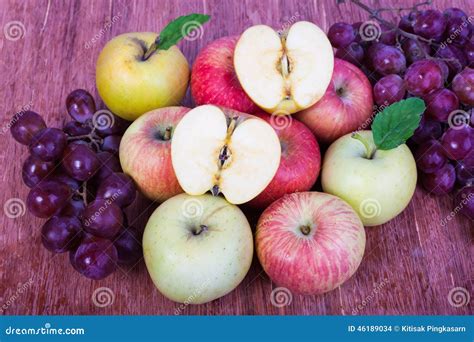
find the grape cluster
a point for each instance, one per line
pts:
(77, 184)
(428, 54)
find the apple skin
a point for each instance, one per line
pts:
(196, 269)
(130, 86)
(300, 160)
(213, 78)
(336, 113)
(378, 189)
(146, 156)
(319, 261)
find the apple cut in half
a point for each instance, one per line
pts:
(224, 151)
(287, 72)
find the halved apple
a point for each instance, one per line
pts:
(284, 73)
(224, 151)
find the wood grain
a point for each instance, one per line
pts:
(410, 264)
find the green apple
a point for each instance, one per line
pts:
(131, 85)
(197, 248)
(378, 187)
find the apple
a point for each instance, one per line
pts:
(197, 248)
(310, 242)
(213, 78)
(378, 188)
(224, 151)
(284, 73)
(131, 85)
(346, 106)
(145, 152)
(300, 160)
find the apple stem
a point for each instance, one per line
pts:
(202, 228)
(152, 49)
(305, 230)
(369, 149)
(167, 135)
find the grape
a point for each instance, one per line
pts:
(441, 181)
(24, 125)
(353, 53)
(356, 26)
(458, 31)
(388, 35)
(427, 130)
(423, 77)
(48, 144)
(389, 89)
(35, 170)
(444, 69)
(80, 105)
(111, 125)
(386, 59)
(109, 164)
(103, 218)
(430, 157)
(469, 52)
(111, 143)
(65, 179)
(457, 56)
(75, 128)
(415, 50)
(47, 198)
(430, 24)
(95, 258)
(341, 34)
(454, 12)
(406, 23)
(464, 200)
(457, 142)
(80, 162)
(60, 234)
(129, 246)
(464, 174)
(74, 208)
(463, 86)
(119, 188)
(440, 103)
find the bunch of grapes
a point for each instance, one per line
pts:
(77, 184)
(428, 54)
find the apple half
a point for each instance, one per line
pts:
(224, 151)
(284, 73)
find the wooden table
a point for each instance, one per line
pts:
(411, 263)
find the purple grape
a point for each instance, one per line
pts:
(388, 35)
(415, 50)
(25, 125)
(95, 258)
(430, 157)
(119, 188)
(111, 144)
(463, 86)
(47, 198)
(444, 69)
(129, 246)
(73, 208)
(440, 182)
(464, 174)
(386, 59)
(458, 59)
(65, 179)
(406, 23)
(458, 31)
(75, 128)
(109, 164)
(109, 124)
(430, 24)
(60, 234)
(102, 218)
(469, 52)
(353, 53)
(389, 89)
(35, 170)
(464, 200)
(423, 77)
(440, 103)
(341, 34)
(80, 162)
(427, 130)
(48, 144)
(458, 142)
(356, 26)
(453, 12)
(80, 105)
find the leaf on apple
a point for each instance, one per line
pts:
(397, 123)
(181, 27)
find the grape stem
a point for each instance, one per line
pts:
(82, 191)
(369, 148)
(92, 136)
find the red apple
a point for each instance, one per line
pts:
(310, 242)
(213, 78)
(346, 106)
(145, 152)
(300, 160)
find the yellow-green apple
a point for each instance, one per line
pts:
(300, 160)
(224, 151)
(197, 248)
(284, 73)
(378, 187)
(310, 242)
(145, 152)
(213, 78)
(130, 84)
(346, 106)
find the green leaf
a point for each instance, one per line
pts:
(397, 123)
(187, 25)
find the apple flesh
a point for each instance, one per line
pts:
(379, 188)
(300, 160)
(197, 248)
(310, 242)
(346, 106)
(130, 85)
(224, 151)
(213, 78)
(284, 73)
(145, 152)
